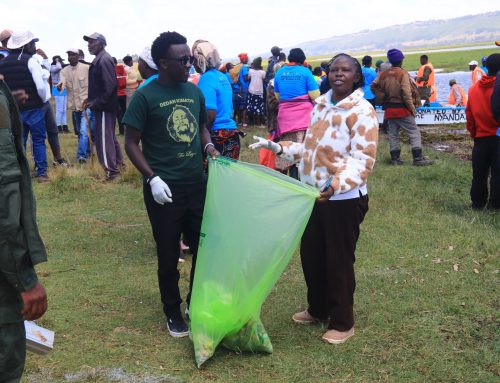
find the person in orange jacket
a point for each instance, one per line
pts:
(477, 72)
(483, 127)
(425, 81)
(457, 95)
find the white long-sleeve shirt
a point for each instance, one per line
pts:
(38, 74)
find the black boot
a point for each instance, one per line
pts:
(60, 128)
(395, 157)
(419, 159)
(65, 129)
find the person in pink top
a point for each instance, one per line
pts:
(295, 89)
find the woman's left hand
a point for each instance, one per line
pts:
(326, 194)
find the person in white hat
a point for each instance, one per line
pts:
(22, 71)
(75, 79)
(147, 67)
(477, 72)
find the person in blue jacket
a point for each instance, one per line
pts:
(369, 75)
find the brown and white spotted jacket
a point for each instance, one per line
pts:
(341, 141)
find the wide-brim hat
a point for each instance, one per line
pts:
(19, 39)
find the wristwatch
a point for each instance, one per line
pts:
(148, 180)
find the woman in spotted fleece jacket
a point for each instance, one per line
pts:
(340, 145)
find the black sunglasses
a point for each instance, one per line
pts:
(184, 60)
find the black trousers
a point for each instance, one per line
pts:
(51, 127)
(327, 253)
(486, 163)
(168, 222)
(122, 108)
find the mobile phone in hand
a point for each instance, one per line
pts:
(326, 185)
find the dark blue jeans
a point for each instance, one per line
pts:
(34, 123)
(80, 123)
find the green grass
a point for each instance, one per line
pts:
(447, 61)
(417, 320)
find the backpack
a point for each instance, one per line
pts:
(235, 73)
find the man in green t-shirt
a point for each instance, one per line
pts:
(169, 117)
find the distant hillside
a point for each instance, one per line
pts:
(421, 34)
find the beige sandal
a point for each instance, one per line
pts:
(337, 337)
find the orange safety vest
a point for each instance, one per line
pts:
(430, 82)
(477, 73)
(452, 100)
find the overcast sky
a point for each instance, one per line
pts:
(233, 26)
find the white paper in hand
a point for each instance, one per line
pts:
(38, 339)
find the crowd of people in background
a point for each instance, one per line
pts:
(183, 105)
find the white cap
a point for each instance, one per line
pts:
(473, 62)
(146, 56)
(19, 39)
(73, 50)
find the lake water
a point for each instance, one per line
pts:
(443, 79)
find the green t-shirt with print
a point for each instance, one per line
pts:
(169, 119)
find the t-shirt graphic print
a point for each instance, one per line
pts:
(182, 125)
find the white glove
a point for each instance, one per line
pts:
(160, 190)
(267, 144)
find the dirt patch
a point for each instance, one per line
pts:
(116, 375)
(452, 139)
(100, 374)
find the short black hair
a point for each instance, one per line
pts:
(357, 65)
(493, 64)
(282, 56)
(367, 61)
(127, 59)
(163, 42)
(81, 54)
(317, 71)
(424, 57)
(297, 55)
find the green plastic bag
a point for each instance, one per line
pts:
(253, 220)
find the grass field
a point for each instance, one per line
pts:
(426, 301)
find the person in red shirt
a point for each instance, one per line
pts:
(121, 91)
(484, 128)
